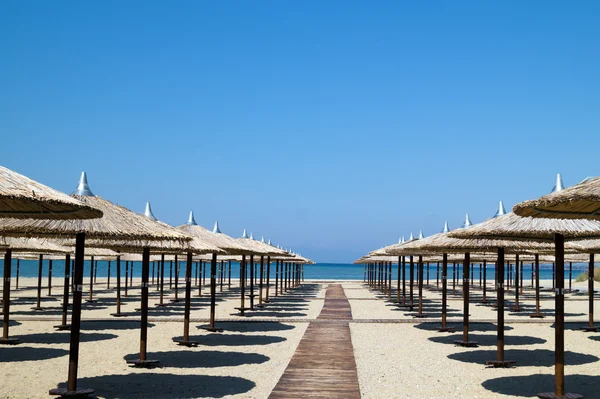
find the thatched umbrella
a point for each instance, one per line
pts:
(591, 247)
(542, 230)
(219, 240)
(255, 248)
(23, 198)
(125, 229)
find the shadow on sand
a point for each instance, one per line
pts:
(235, 339)
(253, 327)
(162, 386)
(489, 340)
(198, 358)
(24, 354)
(63, 338)
(531, 385)
(536, 357)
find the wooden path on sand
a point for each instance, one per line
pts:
(323, 364)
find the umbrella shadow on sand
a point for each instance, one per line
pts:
(535, 358)
(531, 385)
(242, 327)
(24, 354)
(199, 358)
(162, 386)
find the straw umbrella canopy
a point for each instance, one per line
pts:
(23, 198)
(581, 201)
(512, 226)
(116, 223)
(215, 237)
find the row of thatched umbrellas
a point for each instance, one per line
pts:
(534, 228)
(31, 211)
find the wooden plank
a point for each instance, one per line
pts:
(323, 364)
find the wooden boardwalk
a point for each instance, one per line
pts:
(323, 365)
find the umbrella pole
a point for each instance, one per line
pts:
(445, 294)
(537, 313)
(6, 301)
(126, 276)
(427, 274)
(213, 295)
(198, 278)
(553, 276)
(403, 280)
(390, 280)
(532, 275)
(516, 308)
(521, 278)
(437, 276)
(171, 275)
(188, 299)
(590, 327)
(221, 275)
(277, 278)
(453, 278)
(260, 284)
(176, 299)
(251, 295)
(204, 273)
(161, 303)
(91, 297)
(465, 341)
(143, 362)
(398, 283)
(118, 313)
(484, 299)
(131, 273)
(108, 277)
(559, 325)
(570, 276)
(242, 285)
(500, 362)
(420, 266)
(65, 303)
(268, 279)
(50, 277)
(71, 389)
(39, 286)
(412, 282)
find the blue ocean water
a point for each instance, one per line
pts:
(320, 271)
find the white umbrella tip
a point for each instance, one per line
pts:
(216, 228)
(191, 220)
(83, 187)
(148, 212)
(244, 235)
(446, 228)
(421, 236)
(501, 210)
(558, 185)
(467, 222)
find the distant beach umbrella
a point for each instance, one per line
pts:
(467, 222)
(501, 211)
(558, 186)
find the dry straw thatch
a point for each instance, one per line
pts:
(512, 226)
(33, 245)
(581, 201)
(117, 224)
(260, 248)
(214, 238)
(23, 198)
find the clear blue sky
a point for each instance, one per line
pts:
(332, 127)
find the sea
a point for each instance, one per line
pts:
(319, 271)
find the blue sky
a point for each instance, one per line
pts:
(332, 127)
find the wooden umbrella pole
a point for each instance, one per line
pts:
(91, 296)
(39, 286)
(276, 278)
(171, 275)
(553, 275)
(268, 279)
(242, 284)
(590, 327)
(203, 273)
(537, 313)
(188, 304)
(50, 277)
(199, 280)
(108, 277)
(390, 281)
(453, 278)
(516, 308)
(176, 299)
(229, 275)
(521, 279)
(484, 299)
(95, 272)
(6, 301)
(445, 294)
(260, 284)
(65, 303)
(118, 312)
(131, 274)
(71, 389)
(465, 281)
(532, 275)
(398, 282)
(251, 295)
(420, 266)
(222, 275)
(153, 267)
(162, 281)
(437, 276)
(500, 362)
(126, 276)
(570, 276)
(403, 280)
(213, 294)
(143, 361)
(480, 276)
(17, 277)
(427, 274)
(412, 281)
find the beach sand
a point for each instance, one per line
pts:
(397, 355)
